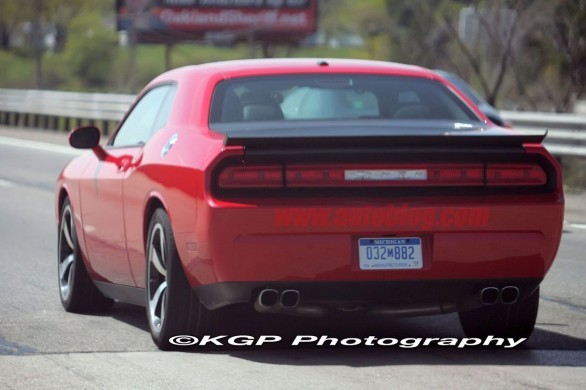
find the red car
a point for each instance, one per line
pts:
(308, 187)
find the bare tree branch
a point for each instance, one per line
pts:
(474, 63)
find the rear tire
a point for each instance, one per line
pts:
(172, 307)
(516, 320)
(76, 289)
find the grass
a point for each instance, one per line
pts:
(59, 73)
(16, 71)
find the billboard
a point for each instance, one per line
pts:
(170, 21)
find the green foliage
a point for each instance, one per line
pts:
(17, 72)
(57, 73)
(91, 51)
(544, 68)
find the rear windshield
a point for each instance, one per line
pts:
(335, 97)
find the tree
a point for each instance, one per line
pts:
(413, 26)
(531, 49)
(39, 13)
(91, 50)
(489, 45)
(568, 34)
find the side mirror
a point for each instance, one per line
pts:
(87, 137)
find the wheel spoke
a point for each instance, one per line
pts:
(157, 296)
(162, 249)
(67, 231)
(156, 261)
(163, 305)
(157, 255)
(65, 266)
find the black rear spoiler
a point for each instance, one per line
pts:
(401, 140)
(291, 139)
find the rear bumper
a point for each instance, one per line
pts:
(249, 243)
(392, 298)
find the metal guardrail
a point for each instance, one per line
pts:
(566, 133)
(64, 110)
(61, 110)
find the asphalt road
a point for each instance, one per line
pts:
(42, 346)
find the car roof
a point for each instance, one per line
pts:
(213, 72)
(240, 68)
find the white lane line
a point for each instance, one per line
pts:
(6, 183)
(20, 143)
(578, 225)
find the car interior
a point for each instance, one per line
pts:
(303, 98)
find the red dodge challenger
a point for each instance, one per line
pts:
(308, 187)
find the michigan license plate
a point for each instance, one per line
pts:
(390, 253)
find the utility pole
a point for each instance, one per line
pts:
(38, 45)
(168, 49)
(132, 54)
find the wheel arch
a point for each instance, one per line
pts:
(153, 203)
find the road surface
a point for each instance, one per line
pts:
(42, 346)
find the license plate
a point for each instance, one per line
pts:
(390, 253)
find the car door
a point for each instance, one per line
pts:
(102, 190)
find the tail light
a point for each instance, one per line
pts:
(397, 175)
(515, 175)
(456, 175)
(254, 176)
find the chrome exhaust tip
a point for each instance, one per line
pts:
(509, 295)
(489, 295)
(266, 300)
(289, 298)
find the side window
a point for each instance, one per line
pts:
(149, 115)
(163, 115)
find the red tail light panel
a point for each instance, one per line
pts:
(515, 175)
(254, 176)
(381, 175)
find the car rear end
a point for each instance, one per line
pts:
(361, 211)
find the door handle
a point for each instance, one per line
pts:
(126, 162)
(123, 163)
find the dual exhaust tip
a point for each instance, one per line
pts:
(507, 295)
(271, 300)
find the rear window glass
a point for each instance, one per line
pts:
(335, 97)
